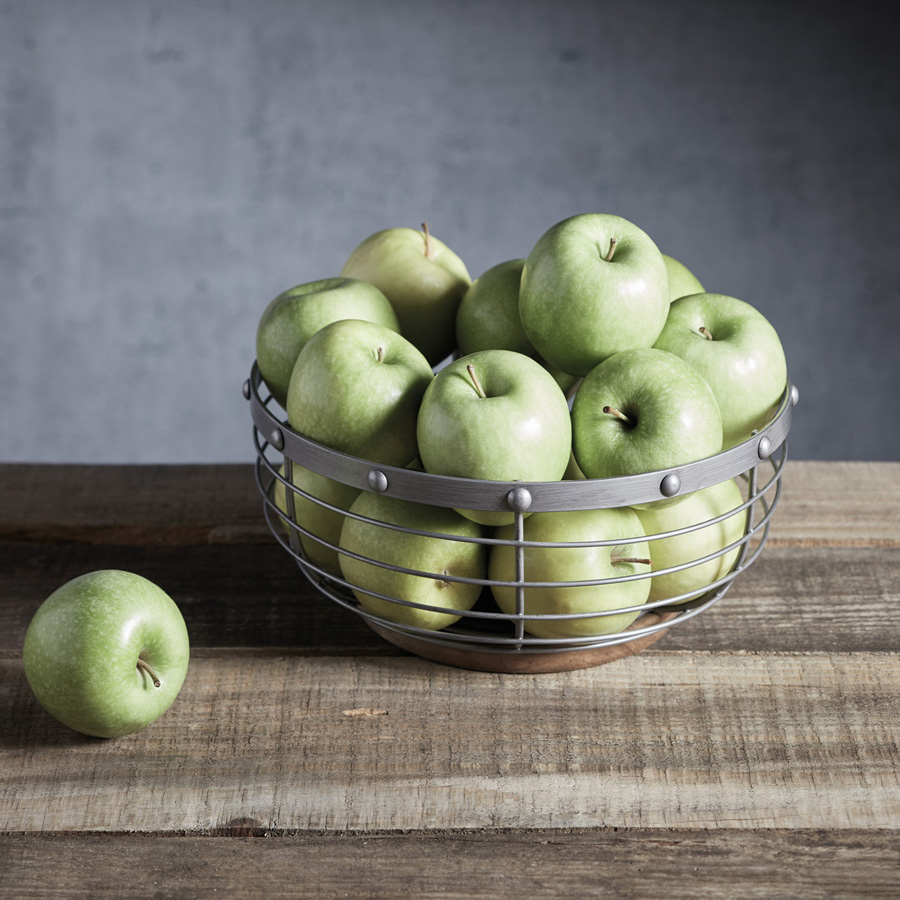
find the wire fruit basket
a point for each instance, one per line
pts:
(511, 637)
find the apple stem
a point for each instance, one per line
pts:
(706, 332)
(428, 254)
(612, 249)
(141, 664)
(612, 411)
(616, 560)
(471, 370)
(379, 354)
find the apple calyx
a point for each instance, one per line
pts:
(612, 249)
(478, 388)
(618, 560)
(612, 411)
(144, 666)
(429, 254)
(706, 332)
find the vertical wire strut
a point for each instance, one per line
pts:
(520, 577)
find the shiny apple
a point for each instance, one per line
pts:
(737, 350)
(295, 315)
(356, 387)
(107, 653)
(431, 554)
(627, 557)
(423, 279)
(593, 285)
(642, 411)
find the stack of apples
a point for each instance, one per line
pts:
(593, 357)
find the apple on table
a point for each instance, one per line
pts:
(295, 315)
(736, 349)
(628, 557)
(107, 653)
(356, 387)
(440, 556)
(495, 415)
(593, 285)
(423, 279)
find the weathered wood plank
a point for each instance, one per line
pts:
(838, 504)
(678, 865)
(803, 599)
(131, 504)
(659, 740)
(230, 595)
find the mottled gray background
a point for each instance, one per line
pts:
(166, 168)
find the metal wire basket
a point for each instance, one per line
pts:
(484, 637)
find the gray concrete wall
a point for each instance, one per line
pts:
(166, 168)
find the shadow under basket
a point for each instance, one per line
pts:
(485, 637)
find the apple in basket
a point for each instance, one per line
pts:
(320, 524)
(495, 415)
(641, 411)
(593, 285)
(737, 351)
(295, 315)
(689, 547)
(628, 556)
(682, 280)
(356, 387)
(423, 279)
(440, 557)
(488, 317)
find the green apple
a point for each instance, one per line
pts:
(422, 277)
(106, 653)
(356, 387)
(322, 523)
(488, 318)
(593, 285)
(643, 410)
(423, 553)
(573, 472)
(694, 509)
(568, 564)
(736, 349)
(682, 282)
(495, 415)
(294, 316)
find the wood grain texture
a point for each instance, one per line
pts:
(658, 740)
(848, 503)
(677, 865)
(139, 505)
(804, 599)
(839, 504)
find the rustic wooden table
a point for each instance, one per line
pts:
(752, 752)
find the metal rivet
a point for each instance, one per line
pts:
(519, 499)
(378, 481)
(764, 450)
(246, 389)
(795, 395)
(670, 485)
(276, 439)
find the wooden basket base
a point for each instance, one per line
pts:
(525, 662)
